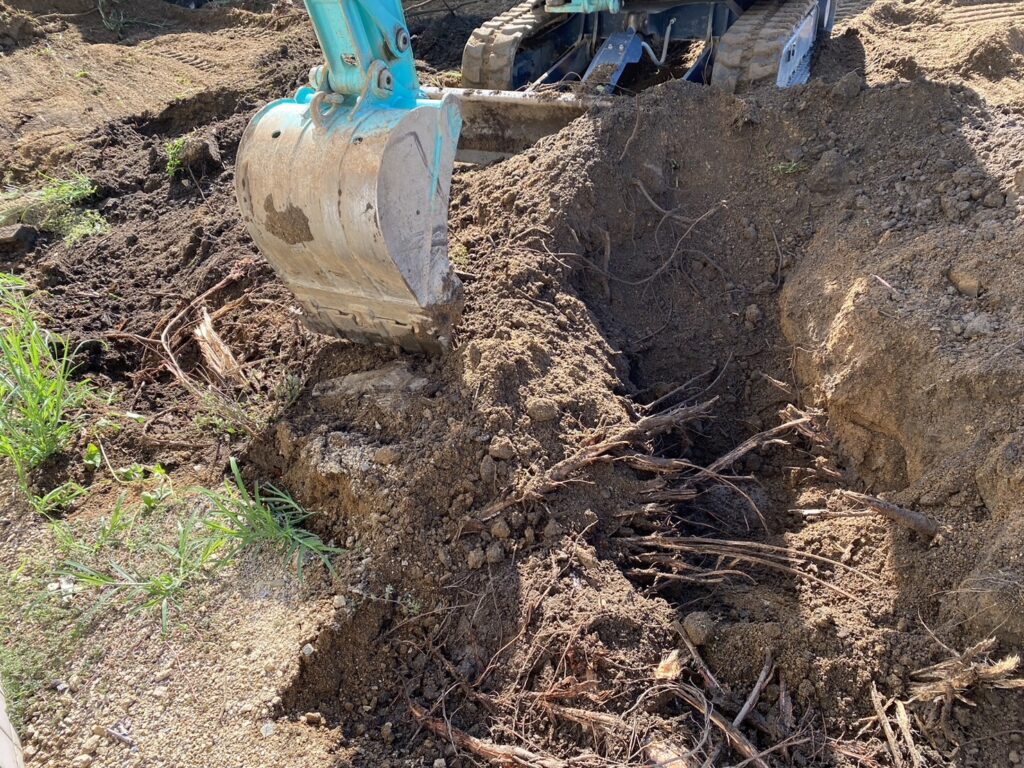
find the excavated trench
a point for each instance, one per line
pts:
(739, 262)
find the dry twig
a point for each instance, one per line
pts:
(906, 517)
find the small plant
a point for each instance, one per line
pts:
(289, 390)
(175, 150)
(58, 500)
(191, 558)
(112, 532)
(92, 457)
(458, 254)
(152, 499)
(55, 208)
(36, 388)
(790, 167)
(268, 518)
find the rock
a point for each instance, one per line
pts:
(267, 730)
(387, 455)
(994, 199)
(966, 283)
(235, 646)
(82, 761)
(980, 325)
(16, 240)
(163, 674)
(829, 174)
(699, 627)
(160, 692)
(752, 314)
(1014, 757)
(200, 153)
(475, 559)
(307, 650)
(99, 730)
(440, 763)
(270, 667)
(388, 378)
(313, 718)
(387, 732)
(91, 745)
(501, 448)
(339, 602)
(542, 409)
(552, 530)
(848, 87)
(488, 469)
(500, 529)
(495, 553)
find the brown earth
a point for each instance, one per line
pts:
(849, 250)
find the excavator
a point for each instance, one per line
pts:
(344, 186)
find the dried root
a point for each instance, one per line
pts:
(916, 521)
(600, 450)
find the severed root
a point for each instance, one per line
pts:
(736, 740)
(906, 517)
(559, 474)
(499, 753)
(974, 668)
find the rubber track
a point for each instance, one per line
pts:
(751, 49)
(490, 51)
(982, 13)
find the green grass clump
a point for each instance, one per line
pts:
(55, 208)
(192, 557)
(268, 518)
(151, 575)
(37, 393)
(175, 150)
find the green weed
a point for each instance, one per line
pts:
(191, 559)
(175, 150)
(793, 166)
(55, 208)
(37, 393)
(59, 500)
(265, 518)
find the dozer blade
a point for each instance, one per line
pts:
(350, 207)
(499, 124)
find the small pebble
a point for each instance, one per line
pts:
(475, 559)
(267, 730)
(495, 553)
(500, 529)
(307, 650)
(699, 627)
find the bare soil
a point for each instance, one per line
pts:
(845, 254)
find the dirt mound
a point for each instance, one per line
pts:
(16, 28)
(997, 56)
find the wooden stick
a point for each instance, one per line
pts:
(906, 517)
(883, 720)
(903, 721)
(500, 753)
(736, 739)
(755, 692)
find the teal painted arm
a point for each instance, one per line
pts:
(366, 50)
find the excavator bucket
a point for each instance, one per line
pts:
(350, 206)
(344, 187)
